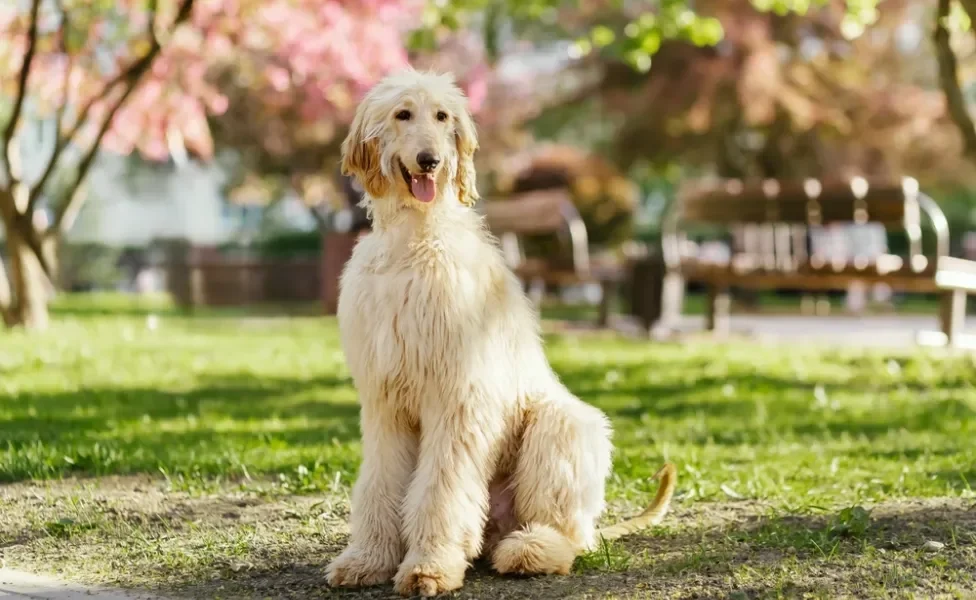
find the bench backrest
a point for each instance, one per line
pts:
(893, 204)
(537, 213)
(774, 218)
(530, 213)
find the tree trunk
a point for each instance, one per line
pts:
(6, 297)
(28, 283)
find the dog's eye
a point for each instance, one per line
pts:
(403, 115)
(441, 115)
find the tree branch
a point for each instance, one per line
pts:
(949, 80)
(7, 216)
(320, 216)
(66, 81)
(25, 69)
(130, 78)
(24, 223)
(60, 141)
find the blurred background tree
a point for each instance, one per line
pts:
(751, 88)
(646, 92)
(145, 77)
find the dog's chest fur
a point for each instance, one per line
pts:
(415, 304)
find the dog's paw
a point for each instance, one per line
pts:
(354, 568)
(429, 577)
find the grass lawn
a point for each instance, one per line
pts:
(213, 457)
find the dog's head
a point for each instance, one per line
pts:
(412, 140)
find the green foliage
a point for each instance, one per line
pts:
(282, 244)
(852, 521)
(88, 265)
(634, 39)
(66, 528)
(959, 206)
(608, 556)
(642, 37)
(290, 244)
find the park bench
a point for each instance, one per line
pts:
(550, 212)
(777, 217)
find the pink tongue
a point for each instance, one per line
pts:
(423, 187)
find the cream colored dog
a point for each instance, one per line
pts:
(471, 445)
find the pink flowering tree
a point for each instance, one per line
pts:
(151, 77)
(284, 143)
(274, 79)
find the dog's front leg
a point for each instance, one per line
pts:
(446, 504)
(375, 546)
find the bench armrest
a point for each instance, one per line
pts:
(540, 212)
(939, 223)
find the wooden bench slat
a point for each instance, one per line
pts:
(956, 280)
(550, 211)
(531, 213)
(696, 269)
(956, 274)
(822, 281)
(765, 215)
(797, 203)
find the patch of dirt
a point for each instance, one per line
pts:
(249, 542)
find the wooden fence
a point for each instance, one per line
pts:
(203, 277)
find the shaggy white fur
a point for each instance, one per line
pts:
(462, 415)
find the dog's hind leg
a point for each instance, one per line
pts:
(560, 476)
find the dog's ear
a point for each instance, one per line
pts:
(466, 138)
(361, 155)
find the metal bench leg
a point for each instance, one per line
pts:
(646, 300)
(537, 291)
(952, 315)
(808, 305)
(717, 309)
(609, 291)
(672, 299)
(822, 307)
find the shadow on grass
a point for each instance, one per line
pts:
(128, 430)
(111, 304)
(748, 556)
(111, 430)
(230, 312)
(787, 405)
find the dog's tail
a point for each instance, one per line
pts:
(534, 550)
(653, 514)
(538, 548)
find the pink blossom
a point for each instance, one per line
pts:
(287, 52)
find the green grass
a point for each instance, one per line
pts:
(214, 455)
(765, 303)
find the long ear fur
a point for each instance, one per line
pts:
(361, 155)
(466, 138)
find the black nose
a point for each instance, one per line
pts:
(427, 161)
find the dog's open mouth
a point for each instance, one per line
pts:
(422, 186)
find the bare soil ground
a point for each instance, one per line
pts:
(251, 541)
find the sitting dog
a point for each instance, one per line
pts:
(471, 445)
